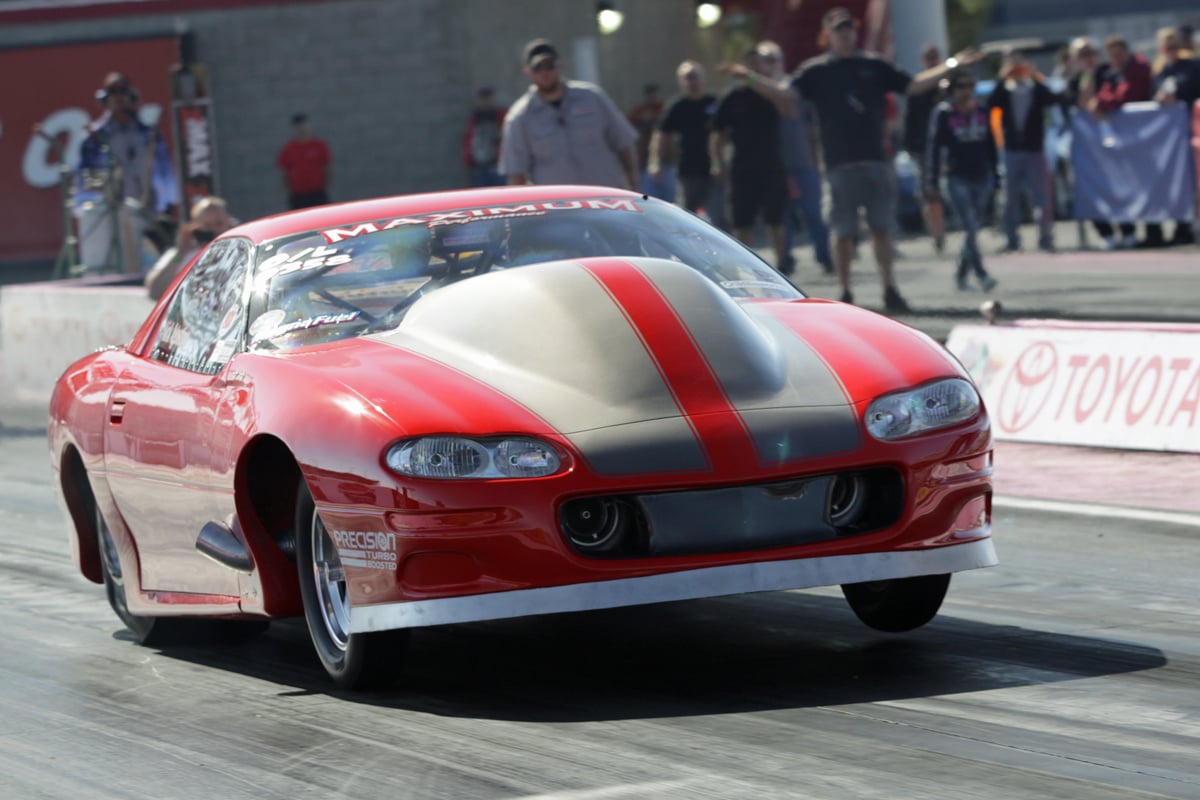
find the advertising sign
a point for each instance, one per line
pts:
(1105, 385)
(52, 89)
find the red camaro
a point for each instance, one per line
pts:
(475, 405)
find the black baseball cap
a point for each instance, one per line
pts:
(836, 18)
(537, 49)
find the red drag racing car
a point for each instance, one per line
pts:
(474, 405)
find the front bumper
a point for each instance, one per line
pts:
(766, 576)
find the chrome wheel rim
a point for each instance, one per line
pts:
(330, 581)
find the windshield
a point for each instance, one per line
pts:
(338, 282)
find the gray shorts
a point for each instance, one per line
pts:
(866, 184)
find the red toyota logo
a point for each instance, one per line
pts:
(1028, 387)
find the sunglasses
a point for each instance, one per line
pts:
(545, 66)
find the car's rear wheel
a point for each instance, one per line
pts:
(353, 660)
(157, 631)
(898, 605)
(149, 631)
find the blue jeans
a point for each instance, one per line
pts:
(486, 176)
(1028, 170)
(969, 198)
(804, 193)
(663, 188)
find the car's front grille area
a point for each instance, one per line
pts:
(733, 518)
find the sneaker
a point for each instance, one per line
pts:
(1048, 247)
(1183, 235)
(963, 283)
(1009, 248)
(893, 302)
(788, 265)
(847, 297)
(827, 266)
(987, 283)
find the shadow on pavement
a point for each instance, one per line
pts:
(732, 655)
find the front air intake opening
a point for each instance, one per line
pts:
(727, 519)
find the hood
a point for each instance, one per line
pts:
(618, 351)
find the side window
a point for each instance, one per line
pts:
(205, 322)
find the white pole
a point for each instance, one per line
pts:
(916, 23)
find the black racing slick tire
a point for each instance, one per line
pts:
(897, 605)
(353, 660)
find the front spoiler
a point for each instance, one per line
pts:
(765, 576)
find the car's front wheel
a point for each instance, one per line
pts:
(353, 660)
(897, 605)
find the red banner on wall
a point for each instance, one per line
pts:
(53, 88)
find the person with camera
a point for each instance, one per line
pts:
(123, 160)
(209, 219)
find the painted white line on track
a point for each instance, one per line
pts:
(1099, 510)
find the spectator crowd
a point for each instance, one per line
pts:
(777, 153)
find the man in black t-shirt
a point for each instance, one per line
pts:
(848, 89)
(757, 183)
(684, 129)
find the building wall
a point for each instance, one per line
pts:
(387, 82)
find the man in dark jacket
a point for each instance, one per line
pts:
(1023, 98)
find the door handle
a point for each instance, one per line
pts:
(116, 412)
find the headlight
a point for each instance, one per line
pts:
(460, 457)
(933, 406)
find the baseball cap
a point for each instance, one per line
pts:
(836, 17)
(114, 82)
(538, 49)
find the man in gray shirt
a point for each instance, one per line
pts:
(565, 131)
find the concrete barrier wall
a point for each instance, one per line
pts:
(1134, 386)
(44, 327)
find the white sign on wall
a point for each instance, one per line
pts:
(1105, 385)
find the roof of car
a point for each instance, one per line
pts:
(338, 214)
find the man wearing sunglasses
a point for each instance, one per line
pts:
(563, 131)
(210, 218)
